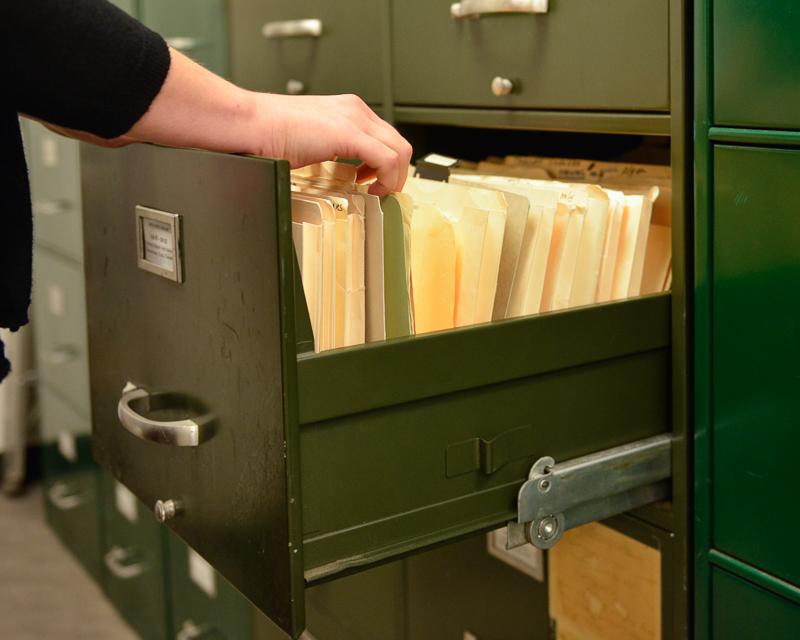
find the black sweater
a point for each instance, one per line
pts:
(81, 64)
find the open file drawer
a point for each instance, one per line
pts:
(306, 465)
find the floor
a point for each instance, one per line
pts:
(44, 593)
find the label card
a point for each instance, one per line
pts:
(67, 446)
(202, 574)
(126, 502)
(49, 151)
(56, 300)
(159, 243)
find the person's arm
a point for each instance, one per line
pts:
(196, 108)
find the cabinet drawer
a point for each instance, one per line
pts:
(65, 434)
(195, 27)
(72, 511)
(346, 56)
(581, 54)
(202, 600)
(307, 465)
(756, 266)
(764, 91)
(133, 562)
(59, 310)
(55, 190)
(745, 611)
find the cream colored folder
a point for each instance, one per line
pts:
(433, 269)
(307, 220)
(611, 245)
(658, 259)
(590, 249)
(633, 244)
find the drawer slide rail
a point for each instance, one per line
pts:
(559, 497)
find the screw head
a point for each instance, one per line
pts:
(548, 528)
(165, 510)
(544, 485)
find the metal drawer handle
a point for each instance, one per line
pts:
(122, 563)
(502, 86)
(191, 631)
(309, 28)
(62, 498)
(188, 432)
(51, 207)
(183, 43)
(477, 8)
(61, 355)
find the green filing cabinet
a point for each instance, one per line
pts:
(134, 559)
(197, 28)
(307, 46)
(581, 54)
(748, 265)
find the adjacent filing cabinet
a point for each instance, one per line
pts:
(197, 28)
(756, 59)
(227, 348)
(134, 557)
(581, 54)
(307, 46)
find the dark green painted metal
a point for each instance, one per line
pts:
(703, 203)
(564, 59)
(202, 21)
(55, 465)
(140, 599)
(78, 528)
(756, 265)
(585, 121)
(346, 58)
(227, 614)
(217, 337)
(407, 369)
(761, 578)
(744, 611)
(763, 137)
(756, 58)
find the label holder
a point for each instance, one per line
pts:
(158, 240)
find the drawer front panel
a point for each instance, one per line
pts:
(202, 599)
(194, 27)
(55, 190)
(345, 58)
(72, 510)
(745, 611)
(60, 316)
(756, 58)
(211, 343)
(582, 54)
(133, 563)
(756, 268)
(399, 467)
(65, 434)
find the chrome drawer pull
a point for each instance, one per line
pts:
(502, 86)
(118, 562)
(191, 631)
(295, 87)
(477, 8)
(182, 43)
(188, 432)
(62, 499)
(310, 28)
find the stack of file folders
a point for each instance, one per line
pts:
(501, 239)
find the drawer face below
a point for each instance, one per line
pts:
(756, 58)
(581, 54)
(346, 56)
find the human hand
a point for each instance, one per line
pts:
(309, 129)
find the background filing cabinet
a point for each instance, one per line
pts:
(747, 261)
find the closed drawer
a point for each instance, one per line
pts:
(755, 59)
(346, 56)
(197, 28)
(59, 313)
(65, 435)
(300, 466)
(581, 54)
(756, 265)
(745, 611)
(55, 190)
(203, 602)
(133, 562)
(72, 511)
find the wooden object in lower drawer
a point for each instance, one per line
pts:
(604, 586)
(72, 511)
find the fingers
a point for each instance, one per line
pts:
(384, 160)
(365, 173)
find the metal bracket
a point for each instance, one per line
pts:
(558, 497)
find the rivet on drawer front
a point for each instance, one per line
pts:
(166, 509)
(295, 87)
(502, 86)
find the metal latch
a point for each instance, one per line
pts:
(558, 497)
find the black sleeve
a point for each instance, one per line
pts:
(82, 64)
